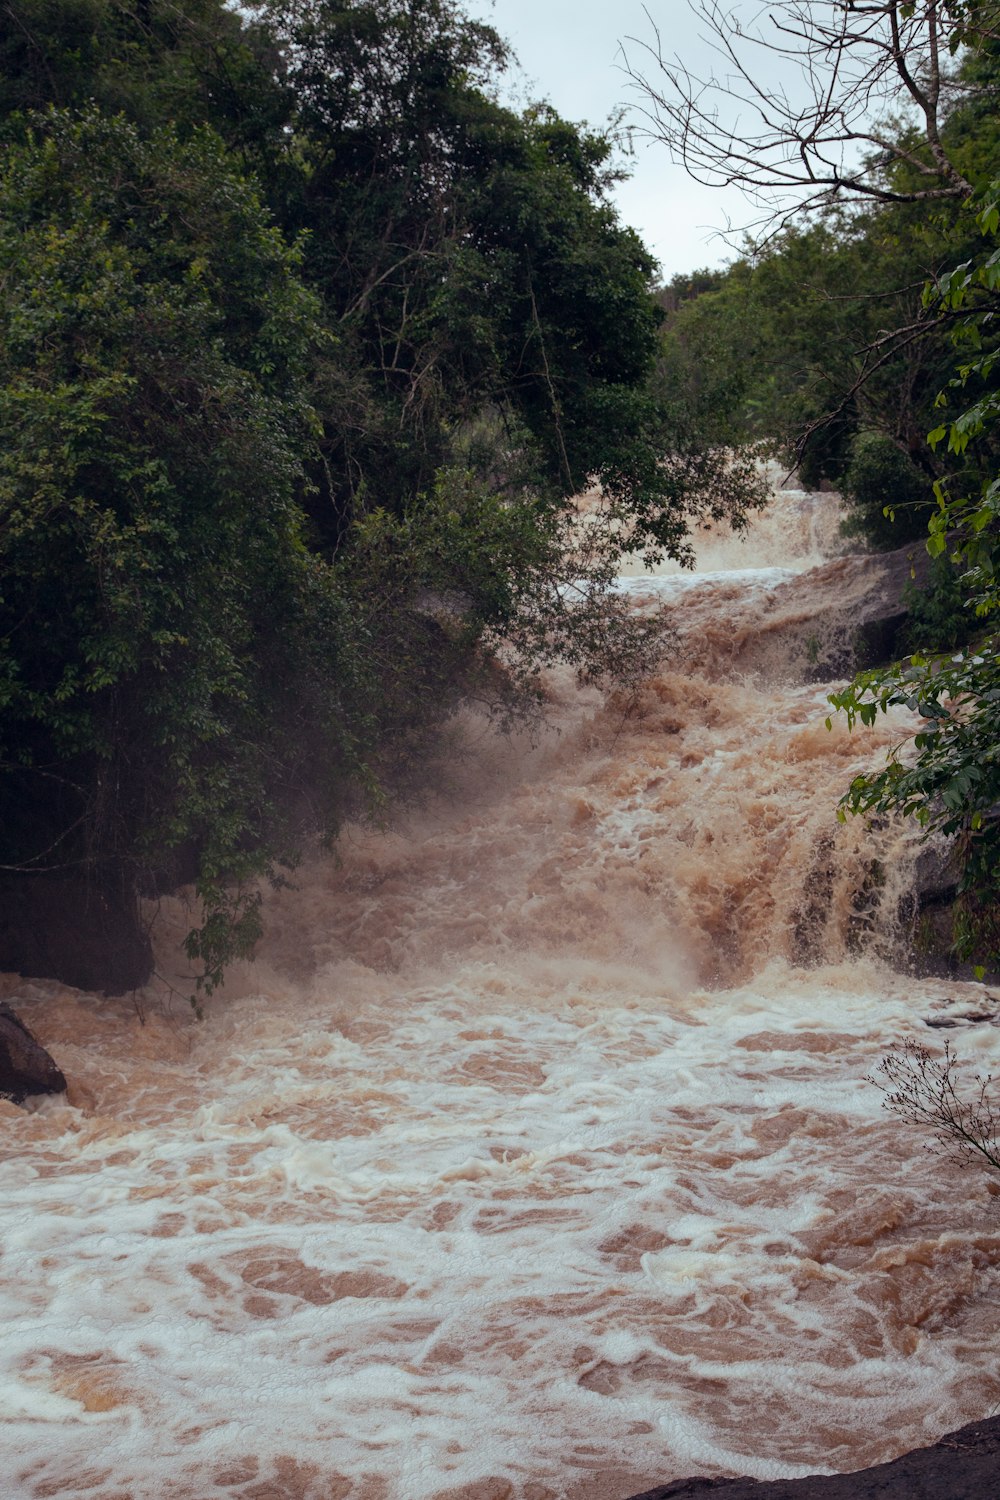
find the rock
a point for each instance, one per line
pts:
(844, 616)
(963, 1465)
(928, 917)
(82, 932)
(25, 1066)
(935, 874)
(883, 612)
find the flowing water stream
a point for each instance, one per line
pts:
(534, 1159)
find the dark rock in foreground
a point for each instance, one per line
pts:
(25, 1066)
(964, 1465)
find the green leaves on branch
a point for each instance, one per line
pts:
(947, 775)
(155, 342)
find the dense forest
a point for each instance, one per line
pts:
(307, 341)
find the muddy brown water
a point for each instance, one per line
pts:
(534, 1159)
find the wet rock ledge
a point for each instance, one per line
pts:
(963, 1465)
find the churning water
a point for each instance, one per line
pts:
(534, 1158)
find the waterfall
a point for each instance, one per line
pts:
(534, 1157)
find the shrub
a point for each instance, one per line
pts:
(889, 501)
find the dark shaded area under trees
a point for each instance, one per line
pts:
(306, 342)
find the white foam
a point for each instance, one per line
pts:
(530, 1151)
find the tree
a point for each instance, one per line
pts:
(490, 307)
(948, 776)
(294, 397)
(842, 140)
(858, 132)
(807, 112)
(189, 691)
(163, 629)
(189, 62)
(819, 339)
(487, 307)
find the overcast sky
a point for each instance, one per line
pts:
(570, 54)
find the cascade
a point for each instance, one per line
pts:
(534, 1157)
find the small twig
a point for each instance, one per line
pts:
(920, 1089)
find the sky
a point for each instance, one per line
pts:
(570, 52)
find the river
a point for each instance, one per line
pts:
(534, 1158)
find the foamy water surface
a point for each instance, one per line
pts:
(534, 1159)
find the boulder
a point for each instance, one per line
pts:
(828, 622)
(884, 610)
(864, 607)
(935, 874)
(25, 1066)
(964, 1465)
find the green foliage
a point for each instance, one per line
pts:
(821, 334)
(471, 263)
(836, 341)
(938, 614)
(501, 589)
(155, 344)
(190, 63)
(948, 775)
(970, 291)
(766, 353)
(467, 257)
(889, 500)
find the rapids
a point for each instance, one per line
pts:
(534, 1158)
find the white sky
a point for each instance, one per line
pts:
(570, 54)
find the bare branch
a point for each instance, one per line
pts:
(806, 107)
(921, 1089)
(874, 356)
